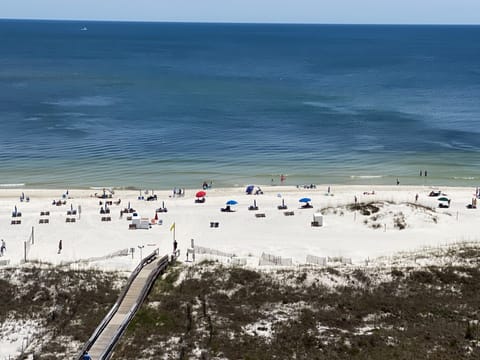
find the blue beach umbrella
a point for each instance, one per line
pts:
(232, 202)
(305, 200)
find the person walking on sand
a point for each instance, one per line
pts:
(60, 246)
(3, 248)
(416, 197)
(398, 182)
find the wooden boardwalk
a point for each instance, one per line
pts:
(134, 292)
(101, 344)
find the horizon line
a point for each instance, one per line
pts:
(235, 22)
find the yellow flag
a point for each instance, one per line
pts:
(172, 227)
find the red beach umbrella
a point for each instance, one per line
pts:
(200, 194)
(156, 215)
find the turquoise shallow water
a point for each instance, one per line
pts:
(160, 105)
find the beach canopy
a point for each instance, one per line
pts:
(232, 202)
(200, 194)
(305, 200)
(249, 189)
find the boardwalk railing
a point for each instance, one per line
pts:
(160, 267)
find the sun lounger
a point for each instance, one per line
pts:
(261, 215)
(253, 208)
(288, 213)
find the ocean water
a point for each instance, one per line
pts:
(157, 105)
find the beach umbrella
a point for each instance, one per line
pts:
(305, 200)
(15, 209)
(128, 207)
(156, 215)
(200, 194)
(443, 199)
(232, 202)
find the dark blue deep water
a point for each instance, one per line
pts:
(160, 105)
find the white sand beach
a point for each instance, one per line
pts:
(344, 232)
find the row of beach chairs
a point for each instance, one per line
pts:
(70, 220)
(106, 218)
(16, 222)
(43, 221)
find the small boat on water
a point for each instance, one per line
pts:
(84, 28)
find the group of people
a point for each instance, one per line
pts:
(206, 185)
(178, 192)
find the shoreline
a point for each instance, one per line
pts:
(347, 233)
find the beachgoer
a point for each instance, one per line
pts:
(416, 197)
(175, 244)
(425, 172)
(328, 190)
(398, 182)
(86, 356)
(282, 178)
(355, 198)
(3, 248)
(60, 246)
